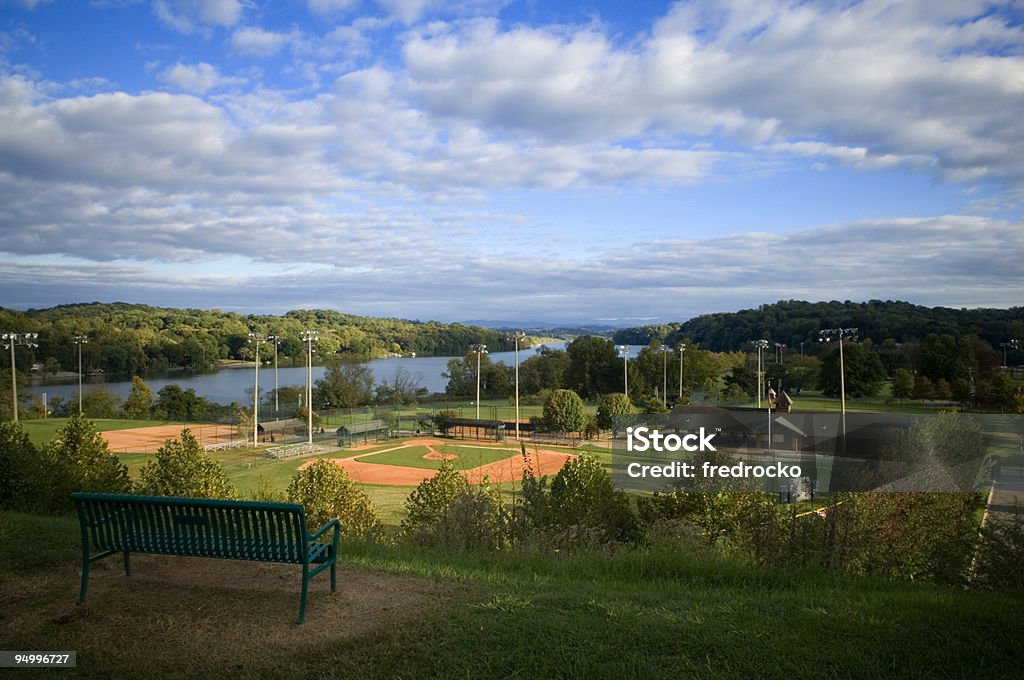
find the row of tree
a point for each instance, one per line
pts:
(139, 339)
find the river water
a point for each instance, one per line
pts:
(229, 385)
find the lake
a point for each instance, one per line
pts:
(229, 385)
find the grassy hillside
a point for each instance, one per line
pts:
(401, 613)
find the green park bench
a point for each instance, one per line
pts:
(200, 527)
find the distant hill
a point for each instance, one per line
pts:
(792, 322)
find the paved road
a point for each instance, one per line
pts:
(1008, 495)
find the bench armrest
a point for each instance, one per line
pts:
(322, 530)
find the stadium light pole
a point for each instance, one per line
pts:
(682, 348)
(778, 352)
(828, 335)
(1012, 344)
(761, 346)
(256, 339)
(308, 336)
(80, 340)
(665, 351)
(517, 336)
(624, 351)
(276, 339)
(478, 350)
(10, 340)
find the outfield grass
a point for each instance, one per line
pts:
(403, 613)
(412, 456)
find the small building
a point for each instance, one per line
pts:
(362, 433)
(281, 430)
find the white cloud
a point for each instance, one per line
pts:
(188, 16)
(328, 7)
(198, 78)
(255, 41)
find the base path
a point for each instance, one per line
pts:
(511, 469)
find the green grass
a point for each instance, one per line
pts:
(404, 613)
(412, 456)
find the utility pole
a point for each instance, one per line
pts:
(682, 348)
(276, 339)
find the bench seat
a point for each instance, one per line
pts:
(199, 527)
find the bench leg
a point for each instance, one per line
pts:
(305, 589)
(127, 565)
(334, 575)
(85, 582)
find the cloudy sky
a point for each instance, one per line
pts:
(530, 159)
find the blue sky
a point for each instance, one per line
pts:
(499, 160)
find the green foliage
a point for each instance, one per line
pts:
(564, 412)
(585, 508)
(100, 402)
(1001, 554)
(902, 384)
(345, 384)
(594, 367)
(182, 468)
(140, 401)
(20, 468)
(864, 372)
(78, 459)
(611, 406)
(326, 492)
(429, 501)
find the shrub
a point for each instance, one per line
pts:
(430, 499)
(327, 492)
(19, 467)
(583, 502)
(1001, 554)
(182, 468)
(78, 459)
(564, 412)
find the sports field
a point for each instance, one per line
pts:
(149, 439)
(416, 460)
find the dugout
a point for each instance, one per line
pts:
(280, 430)
(362, 433)
(475, 428)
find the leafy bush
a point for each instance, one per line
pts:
(77, 459)
(564, 412)
(19, 467)
(583, 502)
(327, 492)
(182, 468)
(1000, 560)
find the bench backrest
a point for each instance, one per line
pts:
(199, 527)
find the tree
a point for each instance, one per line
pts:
(326, 492)
(174, 403)
(346, 384)
(564, 412)
(429, 501)
(19, 468)
(182, 468)
(863, 370)
(79, 459)
(582, 496)
(902, 384)
(100, 402)
(140, 401)
(594, 367)
(611, 406)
